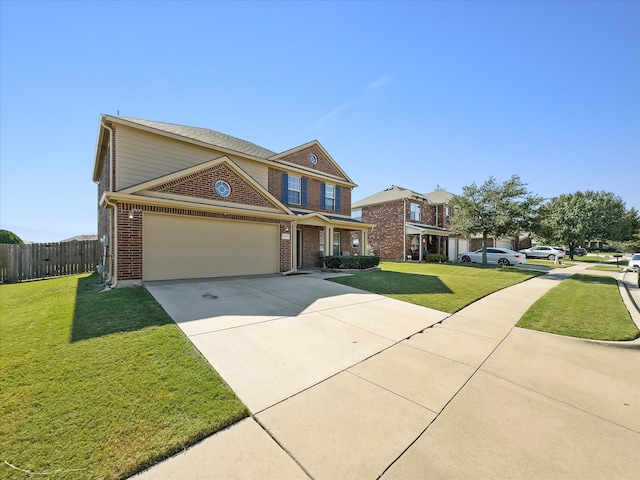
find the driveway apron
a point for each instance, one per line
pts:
(343, 383)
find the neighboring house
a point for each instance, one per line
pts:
(408, 224)
(80, 238)
(178, 202)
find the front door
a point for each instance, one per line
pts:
(298, 248)
(336, 243)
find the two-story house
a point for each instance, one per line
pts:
(177, 202)
(409, 225)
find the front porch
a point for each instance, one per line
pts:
(421, 240)
(318, 235)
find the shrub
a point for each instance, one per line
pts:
(9, 237)
(355, 262)
(436, 258)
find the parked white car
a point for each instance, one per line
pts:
(501, 256)
(634, 262)
(543, 251)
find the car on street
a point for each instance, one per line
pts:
(543, 251)
(578, 251)
(634, 262)
(501, 256)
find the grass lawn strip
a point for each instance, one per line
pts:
(584, 306)
(443, 287)
(99, 385)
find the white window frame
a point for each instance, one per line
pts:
(357, 214)
(416, 212)
(294, 189)
(330, 197)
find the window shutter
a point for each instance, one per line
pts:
(322, 195)
(337, 194)
(303, 191)
(285, 188)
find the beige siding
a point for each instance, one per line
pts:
(177, 247)
(143, 156)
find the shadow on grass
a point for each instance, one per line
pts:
(121, 310)
(395, 283)
(593, 279)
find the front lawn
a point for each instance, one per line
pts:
(444, 287)
(548, 263)
(99, 385)
(584, 306)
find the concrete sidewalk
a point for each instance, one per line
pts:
(347, 384)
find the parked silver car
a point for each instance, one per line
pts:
(543, 251)
(501, 256)
(634, 262)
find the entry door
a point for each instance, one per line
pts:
(336, 243)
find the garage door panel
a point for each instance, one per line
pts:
(188, 247)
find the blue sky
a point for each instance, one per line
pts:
(416, 94)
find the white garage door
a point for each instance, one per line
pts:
(187, 247)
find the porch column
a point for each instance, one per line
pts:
(363, 242)
(421, 246)
(328, 240)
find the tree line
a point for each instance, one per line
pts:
(509, 209)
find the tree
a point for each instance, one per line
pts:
(494, 209)
(575, 218)
(9, 237)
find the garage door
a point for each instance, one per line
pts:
(186, 247)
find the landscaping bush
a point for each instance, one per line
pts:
(436, 258)
(355, 262)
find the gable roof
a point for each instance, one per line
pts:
(439, 196)
(145, 188)
(391, 194)
(204, 135)
(282, 156)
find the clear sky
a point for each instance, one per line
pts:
(415, 94)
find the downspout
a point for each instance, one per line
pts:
(110, 156)
(114, 214)
(404, 229)
(114, 243)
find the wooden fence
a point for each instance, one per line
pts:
(42, 260)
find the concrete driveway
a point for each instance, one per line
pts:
(271, 337)
(346, 384)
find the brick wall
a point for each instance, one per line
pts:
(314, 199)
(387, 236)
(302, 158)
(310, 246)
(201, 185)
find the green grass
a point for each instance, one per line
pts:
(609, 259)
(444, 287)
(606, 268)
(548, 263)
(584, 306)
(99, 385)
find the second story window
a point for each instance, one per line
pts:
(357, 214)
(294, 190)
(415, 212)
(330, 197)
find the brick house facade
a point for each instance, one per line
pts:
(187, 202)
(409, 225)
